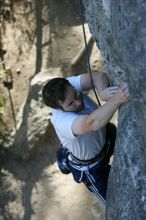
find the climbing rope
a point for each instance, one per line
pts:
(86, 49)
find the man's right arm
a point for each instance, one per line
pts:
(100, 117)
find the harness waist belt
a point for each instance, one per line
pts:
(98, 157)
(110, 139)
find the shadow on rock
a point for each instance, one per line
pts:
(27, 173)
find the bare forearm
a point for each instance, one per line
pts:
(97, 119)
(100, 117)
(100, 81)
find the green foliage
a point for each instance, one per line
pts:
(2, 74)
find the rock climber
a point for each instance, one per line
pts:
(83, 127)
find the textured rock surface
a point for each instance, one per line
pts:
(120, 33)
(33, 118)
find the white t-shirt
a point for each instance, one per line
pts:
(84, 146)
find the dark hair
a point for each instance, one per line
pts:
(54, 91)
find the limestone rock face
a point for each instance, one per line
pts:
(33, 118)
(120, 33)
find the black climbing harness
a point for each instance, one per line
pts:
(86, 49)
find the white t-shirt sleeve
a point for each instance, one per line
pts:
(63, 124)
(76, 82)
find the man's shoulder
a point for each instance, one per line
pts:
(62, 122)
(75, 81)
(56, 113)
(61, 115)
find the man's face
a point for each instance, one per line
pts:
(73, 101)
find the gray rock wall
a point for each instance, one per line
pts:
(119, 29)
